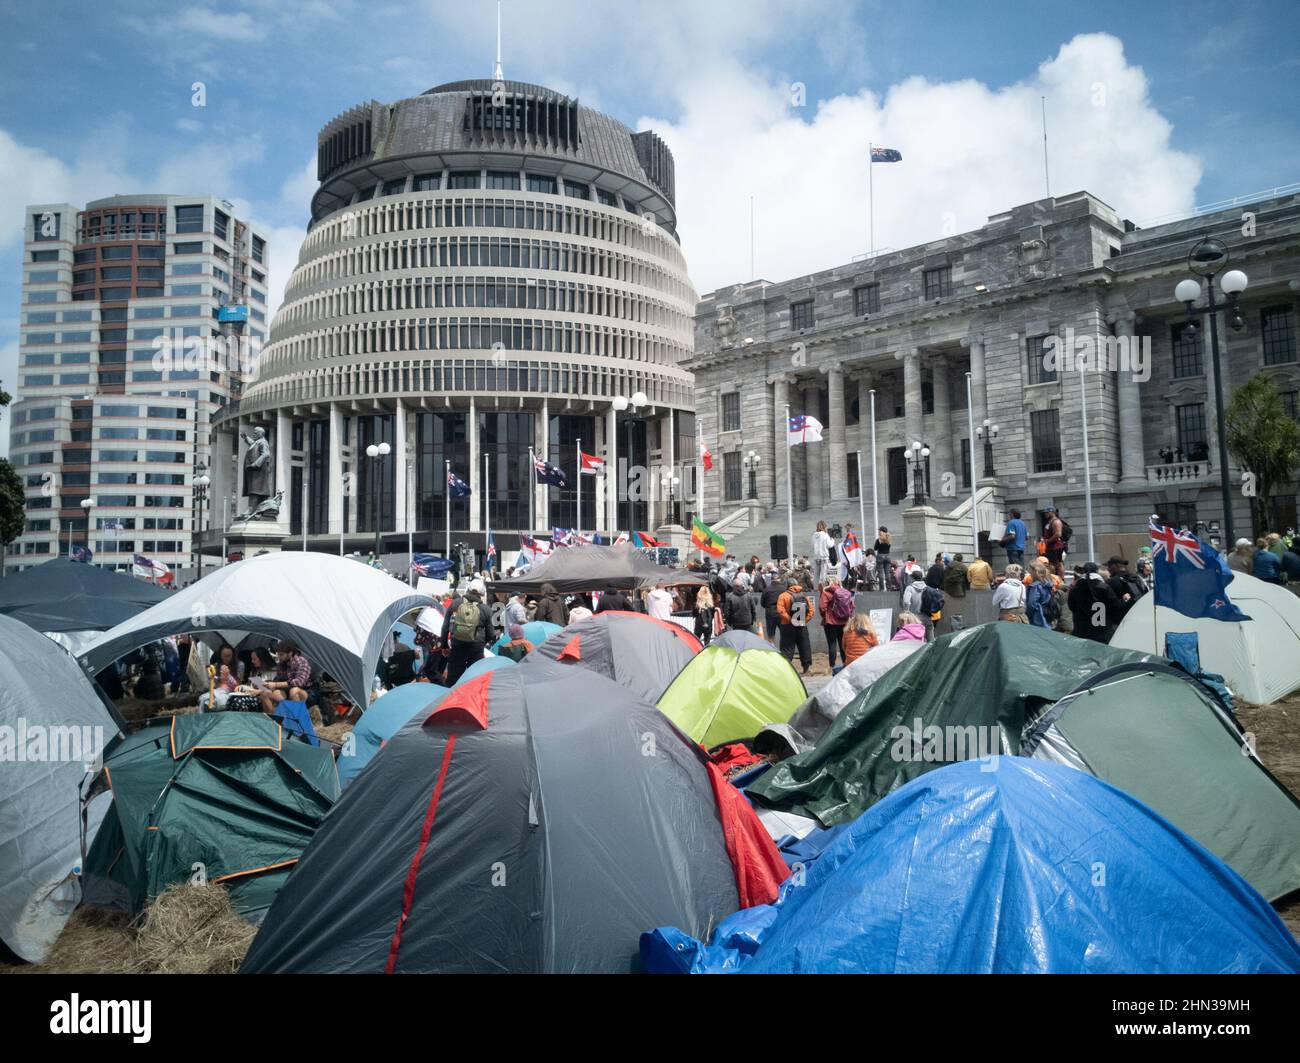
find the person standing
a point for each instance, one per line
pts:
(613, 599)
(1009, 597)
(979, 575)
(1040, 600)
(1013, 539)
(954, 578)
(884, 543)
(1055, 540)
(467, 629)
(773, 587)
(705, 615)
(821, 554)
(1242, 558)
(859, 637)
(836, 607)
(794, 611)
(738, 610)
(1093, 604)
(550, 607)
(659, 603)
(934, 575)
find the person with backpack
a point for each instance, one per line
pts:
(467, 629)
(738, 609)
(837, 609)
(794, 611)
(773, 588)
(1127, 586)
(1056, 539)
(932, 602)
(1040, 596)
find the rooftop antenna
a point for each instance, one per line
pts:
(497, 73)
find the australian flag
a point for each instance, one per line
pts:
(886, 155)
(548, 473)
(1191, 577)
(456, 487)
(82, 554)
(563, 537)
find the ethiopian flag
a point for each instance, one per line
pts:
(706, 538)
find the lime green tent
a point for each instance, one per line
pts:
(723, 695)
(228, 794)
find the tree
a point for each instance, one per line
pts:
(1267, 443)
(13, 516)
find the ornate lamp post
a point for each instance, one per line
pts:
(988, 432)
(199, 490)
(623, 404)
(377, 451)
(752, 461)
(1206, 259)
(916, 455)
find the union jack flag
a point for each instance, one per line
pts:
(1176, 545)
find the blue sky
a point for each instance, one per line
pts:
(1197, 103)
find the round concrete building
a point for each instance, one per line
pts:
(490, 267)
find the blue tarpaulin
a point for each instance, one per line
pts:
(1028, 867)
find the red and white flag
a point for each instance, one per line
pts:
(706, 458)
(591, 465)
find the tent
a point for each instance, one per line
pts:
(1033, 868)
(337, 612)
(532, 822)
(723, 695)
(739, 639)
(642, 653)
(73, 602)
(966, 695)
(813, 718)
(225, 790)
(577, 569)
(1167, 740)
(1259, 658)
(52, 727)
(535, 631)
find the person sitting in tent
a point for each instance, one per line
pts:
(794, 610)
(225, 655)
(910, 628)
(224, 684)
(550, 606)
(518, 647)
(859, 636)
(292, 670)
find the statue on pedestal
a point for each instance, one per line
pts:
(259, 472)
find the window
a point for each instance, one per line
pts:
(1045, 434)
(75, 358)
(1192, 438)
(938, 282)
(118, 253)
(83, 276)
(1187, 350)
(1291, 403)
(506, 179)
(607, 198)
(189, 219)
(1036, 355)
(395, 187)
(866, 300)
(53, 297)
(731, 476)
(155, 251)
(42, 276)
(189, 247)
(42, 317)
(90, 254)
(259, 249)
(115, 273)
(45, 256)
(74, 378)
(187, 289)
(221, 223)
(463, 179)
(116, 313)
(427, 182)
(38, 380)
(577, 190)
(731, 412)
(1277, 324)
(541, 183)
(801, 315)
(38, 359)
(148, 311)
(116, 478)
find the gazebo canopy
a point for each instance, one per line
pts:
(337, 611)
(576, 569)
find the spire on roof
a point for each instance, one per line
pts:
(497, 73)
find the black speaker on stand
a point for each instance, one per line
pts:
(780, 545)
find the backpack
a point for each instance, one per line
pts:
(465, 621)
(932, 602)
(1066, 530)
(841, 607)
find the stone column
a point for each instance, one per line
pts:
(942, 460)
(837, 445)
(865, 381)
(611, 471)
(334, 521)
(913, 422)
(813, 453)
(780, 398)
(978, 379)
(283, 457)
(1132, 449)
(475, 478)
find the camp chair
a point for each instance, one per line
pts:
(295, 718)
(1183, 648)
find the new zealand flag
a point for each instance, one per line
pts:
(457, 487)
(1191, 577)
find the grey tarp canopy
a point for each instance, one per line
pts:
(70, 598)
(574, 569)
(337, 611)
(51, 725)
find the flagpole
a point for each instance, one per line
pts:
(862, 512)
(410, 531)
(871, 195)
(875, 494)
(974, 484)
(487, 512)
(699, 478)
(789, 492)
(1087, 465)
(446, 509)
(532, 490)
(578, 516)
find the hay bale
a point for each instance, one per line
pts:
(334, 732)
(93, 941)
(192, 930)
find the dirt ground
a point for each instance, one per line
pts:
(1276, 729)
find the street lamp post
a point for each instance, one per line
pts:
(915, 456)
(988, 432)
(1206, 259)
(377, 451)
(752, 461)
(199, 490)
(87, 504)
(623, 404)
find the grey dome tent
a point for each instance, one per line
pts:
(574, 569)
(337, 611)
(53, 726)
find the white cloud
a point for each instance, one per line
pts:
(969, 151)
(219, 25)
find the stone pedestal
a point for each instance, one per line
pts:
(920, 534)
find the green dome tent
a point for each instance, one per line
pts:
(723, 694)
(228, 790)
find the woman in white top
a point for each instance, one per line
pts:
(821, 553)
(1009, 598)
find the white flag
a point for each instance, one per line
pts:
(803, 428)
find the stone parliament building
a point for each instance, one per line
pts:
(909, 325)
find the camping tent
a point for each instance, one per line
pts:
(1033, 868)
(642, 653)
(814, 717)
(337, 612)
(532, 822)
(740, 639)
(535, 631)
(577, 569)
(1161, 736)
(969, 694)
(227, 790)
(52, 727)
(73, 602)
(1259, 658)
(722, 695)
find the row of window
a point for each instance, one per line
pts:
(114, 501)
(937, 284)
(505, 180)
